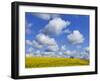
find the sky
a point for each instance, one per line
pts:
(51, 32)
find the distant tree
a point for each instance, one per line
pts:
(72, 57)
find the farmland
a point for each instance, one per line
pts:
(38, 62)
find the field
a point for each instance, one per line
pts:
(38, 62)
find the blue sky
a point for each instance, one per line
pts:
(54, 32)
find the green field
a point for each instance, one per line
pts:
(38, 62)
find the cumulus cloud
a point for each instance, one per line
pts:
(69, 52)
(63, 48)
(53, 48)
(56, 26)
(28, 55)
(67, 31)
(45, 39)
(28, 27)
(28, 31)
(84, 55)
(46, 16)
(87, 49)
(30, 49)
(48, 41)
(37, 51)
(75, 37)
(28, 42)
(36, 44)
(60, 53)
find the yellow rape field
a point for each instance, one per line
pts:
(39, 62)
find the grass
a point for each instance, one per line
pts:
(38, 62)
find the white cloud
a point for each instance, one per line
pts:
(30, 50)
(63, 47)
(28, 55)
(76, 37)
(60, 53)
(28, 42)
(46, 53)
(45, 39)
(87, 49)
(46, 16)
(53, 48)
(28, 26)
(38, 52)
(67, 31)
(28, 31)
(49, 42)
(84, 55)
(69, 52)
(56, 26)
(36, 44)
